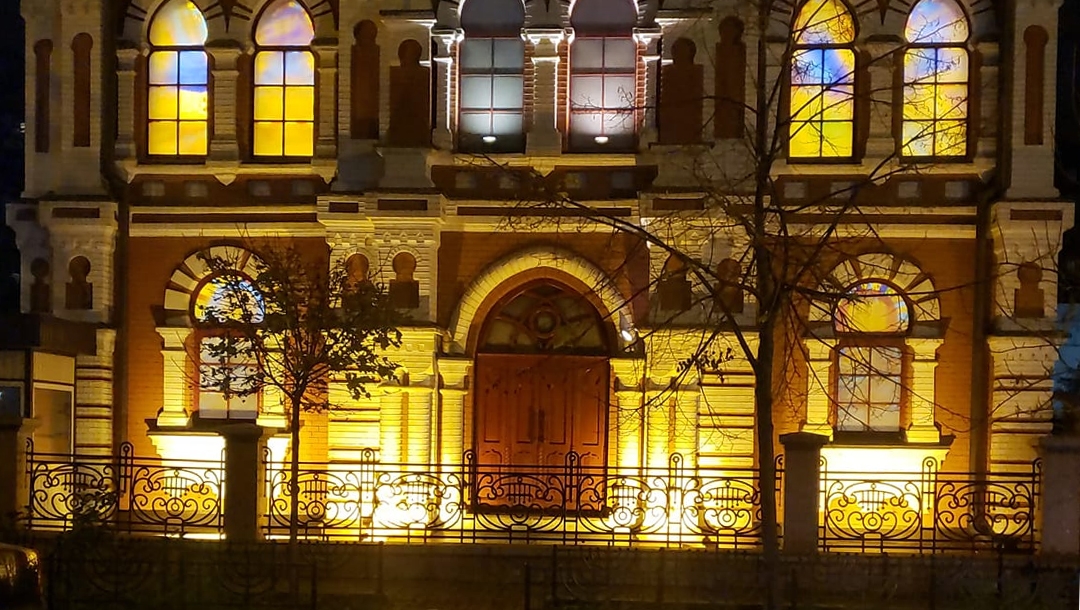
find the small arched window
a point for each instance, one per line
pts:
(284, 82)
(822, 97)
(935, 81)
(178, 77)
(228, 298)
(492, 63)
(227, 372)
(603, 76)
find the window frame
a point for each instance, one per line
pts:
(573, 140)
(284, 50)
(902, 374)
(503, 143)
(179, 158)
(201, 336)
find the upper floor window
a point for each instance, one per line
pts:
(935, 81)
(284, 82)
(822, 101)
(492, 63)
(870, 366)
(603, 75)
(178, 78)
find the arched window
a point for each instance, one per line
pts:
(178, 77)
(870, 372)
(492, 62)
(822, 97)
(284, 82)
(603, 81)
(544, 318)
(226, 370)
(935, 81)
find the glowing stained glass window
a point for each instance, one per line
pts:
(822, 82)
(872, 307)
(230, 298)
(935, 81)
(178, 77)
(284, 82)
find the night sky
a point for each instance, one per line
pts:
(11, 142)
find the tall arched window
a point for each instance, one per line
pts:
(178, 77)
(870, 367)
(284, 82)
(822, 98)
(935, 81)
(492, 62)
(603, 83)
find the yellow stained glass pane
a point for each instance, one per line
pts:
(284, 23)
(951, 139)
(268, 139)
(920, 65)
(193, 103)
(162, 103)
(838, 103)
(919, 102)
(178, 23)
(192, 138)
(951, 101)
(269, 103)
(805, 102)
(162, 68)
(299, 139)
(824, 22)
(836, 139)
(918, 139)
(805, 140)
(299, 103)
(952, 65)
(936, 21)
(872, 307)
(161, 138)
(270, 68)
(299, 68)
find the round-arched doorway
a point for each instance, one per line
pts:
(542, 379)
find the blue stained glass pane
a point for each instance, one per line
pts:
(193, 68)
(285, 23)
(837, 66)
(936, 21)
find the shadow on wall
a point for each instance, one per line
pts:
(9, 270)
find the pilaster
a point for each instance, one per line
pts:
(924, 365)
(326, 127)
(453, 393)
(818, 397)
(126, 60)
(173, 412)
(442, 137)
(626, 420)
(648, 40)
(543, 137)
(224, 148)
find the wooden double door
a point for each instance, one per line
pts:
(532, 410)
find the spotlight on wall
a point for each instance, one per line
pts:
(626, 329)
(489, 139)
(601, 139)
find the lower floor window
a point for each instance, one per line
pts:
(223, 382)
(868, 389)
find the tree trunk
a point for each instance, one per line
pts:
(294, 475)
(763, 410)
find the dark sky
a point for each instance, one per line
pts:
(11, 141)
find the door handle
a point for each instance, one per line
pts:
(543, 420)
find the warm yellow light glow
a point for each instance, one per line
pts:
(822, 97)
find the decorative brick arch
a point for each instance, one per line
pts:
(531, 260)
(189, 275)
(905, 275)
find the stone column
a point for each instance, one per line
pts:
(818, 399)
(881, 141)
(125, 103)
(173, 411)
(442, 135)
(924, 365)
(224, 147)
(543, 137)
(244, 501)
(626, 418)
(452, 412)
(94, 397)
(657, 418)
(326, 121)
(649, 39)
(802, 491)
(1060, 489)
(417, 430)
(392, 425)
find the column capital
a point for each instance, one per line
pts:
(454, 371)
(924, 349)
(224, 58)
(174, 336)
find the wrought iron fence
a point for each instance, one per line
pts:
(125, 491)
(929, 511)
(571, 503)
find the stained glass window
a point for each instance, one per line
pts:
(822, 82)
(492, 82)
(603, 81)
(872, 307)
(284, 82)
(935, 81)
(545, 318)
(178, 78)
(230, 298)
(226, 382)
(868, 389)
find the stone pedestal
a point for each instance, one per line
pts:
(243, 481)
(1060, 488)
(802, 490)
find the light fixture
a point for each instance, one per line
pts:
(489, 139)
(627, 335)
(601, 139)
(626, 329)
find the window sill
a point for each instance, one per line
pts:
(842, 456)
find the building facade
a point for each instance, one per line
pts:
(410, 140)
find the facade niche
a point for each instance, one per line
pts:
(729, 120)
(365, 82)
(674, 288)
(80, 48)
(730, 293)
(357, 270)
(410, 94)
(40, 288)
(681, 96)
(79, 293)
(404, 290)
(42, 75)
(1035, 39)
(1029, 297)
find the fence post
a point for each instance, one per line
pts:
(1060, 490)
(243, 468)
(802, 488)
